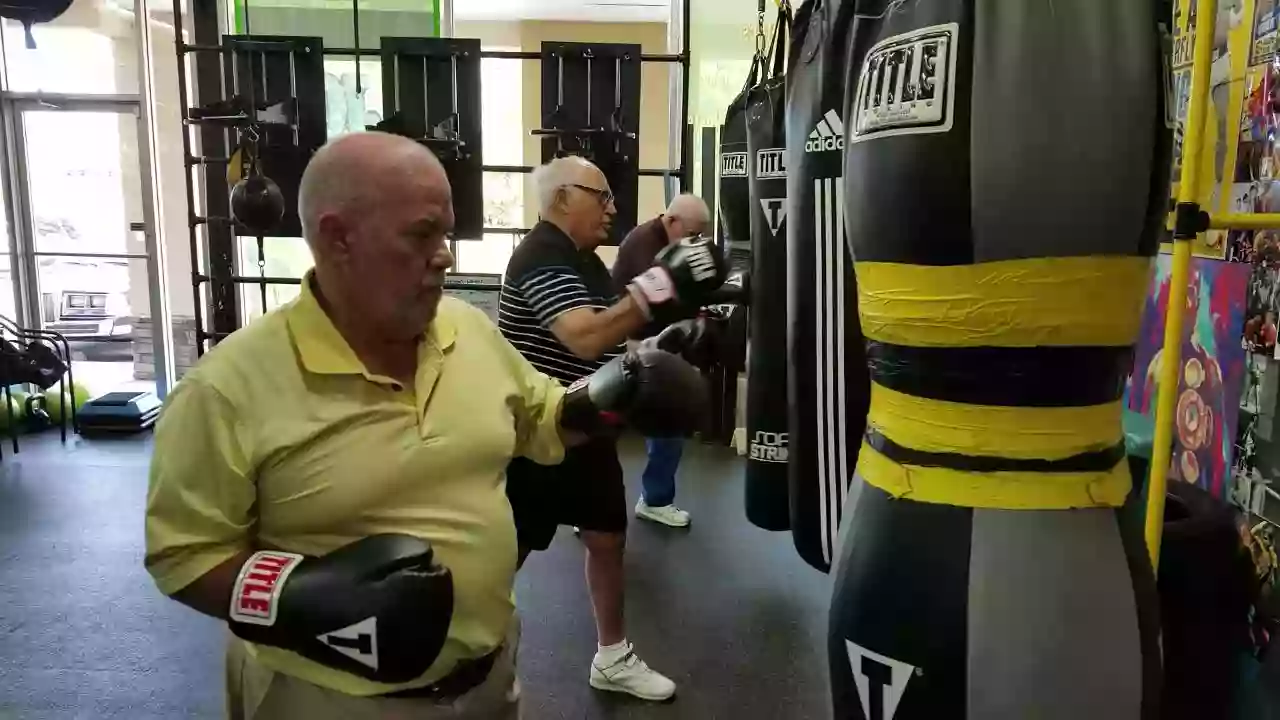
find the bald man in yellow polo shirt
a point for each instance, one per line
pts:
(330, 479)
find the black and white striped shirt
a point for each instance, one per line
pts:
(547, 277)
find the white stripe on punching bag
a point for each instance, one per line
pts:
(832, 438)
(820, 375)
(842, 437)
(833, 453)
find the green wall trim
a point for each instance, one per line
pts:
(238, 24)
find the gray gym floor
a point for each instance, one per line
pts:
(727, 610)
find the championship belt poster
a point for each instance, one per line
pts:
(1212, 374)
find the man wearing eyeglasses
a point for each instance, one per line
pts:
(560, 310)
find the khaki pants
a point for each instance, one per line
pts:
(255, 692)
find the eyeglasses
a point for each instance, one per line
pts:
(604, 196)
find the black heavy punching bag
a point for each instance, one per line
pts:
(734, 190)
(829, 383)
(1006, 174)
(766, 474)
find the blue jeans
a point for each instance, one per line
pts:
(659, 478)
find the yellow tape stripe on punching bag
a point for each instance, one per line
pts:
(1003, 490)
(1010, 303)
(927, 449)
(1020, 433)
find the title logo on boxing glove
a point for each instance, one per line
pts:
(358, 641)
(907, 85)
(255, 599)
(702, 266)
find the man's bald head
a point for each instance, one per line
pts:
(345, 174)
(376, 211)
(689, 207)
(687, 215)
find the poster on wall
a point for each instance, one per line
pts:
(1262, 305)
(1249, 246)
(1232, 49)
(1211, 376)
(1266, 13)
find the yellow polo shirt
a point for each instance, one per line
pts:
(280, 434)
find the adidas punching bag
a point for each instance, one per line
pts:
(829, 382)
(1006, 180)
(766, 417)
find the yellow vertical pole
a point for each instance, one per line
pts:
(1171, 355)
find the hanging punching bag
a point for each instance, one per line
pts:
(733, 190)
(766, 474)
(1006, 176)
(829, 383)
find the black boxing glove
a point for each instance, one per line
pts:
(682, 277)
(695, 340)
(378, 608)
(653, 391)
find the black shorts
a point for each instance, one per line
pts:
(586, 490)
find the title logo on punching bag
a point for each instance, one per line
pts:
(775, 211)
(771, 163)
(733, 164)
(907, 85)
(880, 680)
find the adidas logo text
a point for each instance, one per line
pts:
(828, 134)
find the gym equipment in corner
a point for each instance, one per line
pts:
(60, 408)
(257, 204)
(121, 412)
(431, 94)
(274, 101)
(591, 108)
(29, 358)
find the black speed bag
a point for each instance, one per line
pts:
(29, 12)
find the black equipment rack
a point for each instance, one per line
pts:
(221, 275)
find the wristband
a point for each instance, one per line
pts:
(579, 414)
(641, 301)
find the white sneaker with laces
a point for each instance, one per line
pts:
(629, 674)
(669, 515)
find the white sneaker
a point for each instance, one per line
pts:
(667, 515)
(631, 675)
